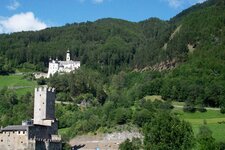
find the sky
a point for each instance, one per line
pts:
(33, 15)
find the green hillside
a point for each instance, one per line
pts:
(182, 59)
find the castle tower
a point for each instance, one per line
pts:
(44, 105)
(68, 55)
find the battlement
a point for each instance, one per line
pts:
(56, 61)
(54, 138)
(44, 89)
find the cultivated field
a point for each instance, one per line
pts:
(18, 83)
(212, 118)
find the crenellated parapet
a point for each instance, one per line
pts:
(44, 89)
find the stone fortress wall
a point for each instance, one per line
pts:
(44, 108)
(39, 134)
(13, 140)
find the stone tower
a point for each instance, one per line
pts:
(44, 106)
(68, 55)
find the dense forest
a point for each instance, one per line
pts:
(191, 45)
(182, 59)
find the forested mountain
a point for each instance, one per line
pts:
(192, 42)
(113, 44)
(182, 59)
(109, 44)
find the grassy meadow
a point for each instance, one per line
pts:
(18, 83)
(212, 118)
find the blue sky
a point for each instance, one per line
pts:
(24, 15)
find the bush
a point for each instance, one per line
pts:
(222, 110)
(122, 115)
(66, 146)
(189, 108)
(166, 131)
(220, 146)
(141, 117)
(41, 81)
(204, 139)
(135, 144)
(201, 109)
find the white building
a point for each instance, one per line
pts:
(62, 66)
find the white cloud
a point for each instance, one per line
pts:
(21, 22)
(175, 3)
(13, 5)
(201, 1)
(181, 3)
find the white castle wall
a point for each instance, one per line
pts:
(62, 66)
(52, 68)
(68, 56)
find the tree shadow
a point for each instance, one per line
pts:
(77, 147)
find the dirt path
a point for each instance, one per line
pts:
(18, 87)
(103, 142)
(65, 103)
(176, 106)
(207, 108)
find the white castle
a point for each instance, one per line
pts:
(62, 66)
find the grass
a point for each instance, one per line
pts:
(14, 80)
(23, 91)
(153, 98)
(210, 114)
(63, 131)
(178, 103)
(211, 118)
(17, 83)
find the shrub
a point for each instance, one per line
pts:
(189, 108)
(222, 110)
(122, 115)
(201, 109)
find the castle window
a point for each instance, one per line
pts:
(1, 140)
(18, 132)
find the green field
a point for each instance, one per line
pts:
(211, 118)
(17, 83)
(153, 98)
